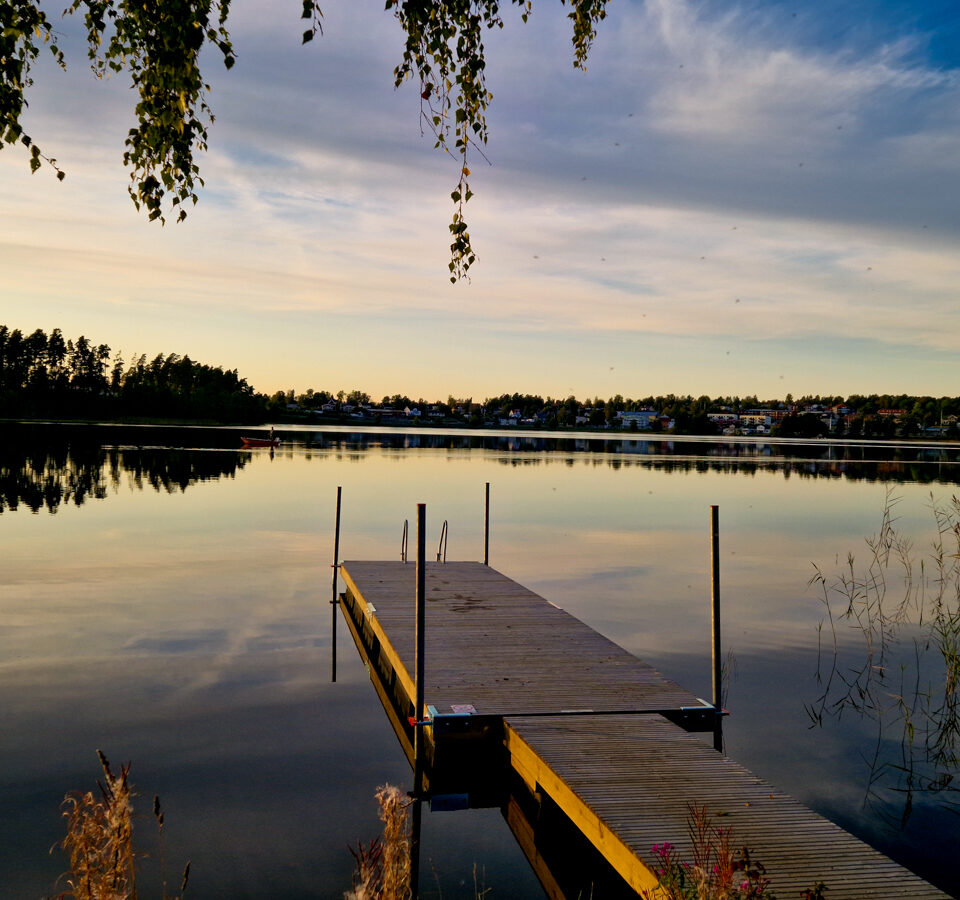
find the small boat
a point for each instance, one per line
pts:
(260, 442)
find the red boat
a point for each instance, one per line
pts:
(260, 442)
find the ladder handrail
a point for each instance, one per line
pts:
(403, 541)
(442, 548)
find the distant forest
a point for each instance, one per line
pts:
(48, 376)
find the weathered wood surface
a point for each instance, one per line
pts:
(498, 646)
(624, 778)
(626, 781)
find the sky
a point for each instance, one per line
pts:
(735, 198)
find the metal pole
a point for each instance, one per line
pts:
(486, 528)
(715, 618)
(333, 599)
(415, 832)
(418, 733)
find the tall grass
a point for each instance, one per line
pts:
(99, 840)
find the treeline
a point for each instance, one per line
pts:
(49, 376)
(858, 415)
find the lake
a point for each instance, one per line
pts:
(164, 597)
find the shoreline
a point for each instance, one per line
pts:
(514, 431)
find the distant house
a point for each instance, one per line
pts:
(411, 412)
(891, 413)
(643, 418)
(723, 418)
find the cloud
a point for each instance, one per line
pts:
(770, 93)
(784, 183)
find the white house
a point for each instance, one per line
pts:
(643, 418)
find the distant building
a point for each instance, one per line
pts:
(643, 418)
(756, 419)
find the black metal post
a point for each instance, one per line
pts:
(418, 733)
(715, 622)
(334, 601)
(486, 527)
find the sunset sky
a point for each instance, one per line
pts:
(735, 198)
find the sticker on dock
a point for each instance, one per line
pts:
(463, 709)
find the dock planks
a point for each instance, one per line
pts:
(584, 721)
(496, 645)
(627, 782)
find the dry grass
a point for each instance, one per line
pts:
(383, 866)
(99, 840)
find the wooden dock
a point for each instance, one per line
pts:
(518, 685)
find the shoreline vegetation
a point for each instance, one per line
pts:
(103, 862)
(51, 378)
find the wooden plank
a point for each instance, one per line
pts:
(501, 648)
(626, 781)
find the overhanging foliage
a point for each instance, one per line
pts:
(158, 45)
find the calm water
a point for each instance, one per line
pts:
(164, 598)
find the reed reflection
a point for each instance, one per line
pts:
(891, 655)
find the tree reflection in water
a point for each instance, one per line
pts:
(48, 475)
(897, 661)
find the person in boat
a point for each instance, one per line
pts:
(271, 434)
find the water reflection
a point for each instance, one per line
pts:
(895, 660)
(44, 475)
(819, 459)
(187, 628)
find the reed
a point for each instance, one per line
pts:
(383, 865)
(99, 840)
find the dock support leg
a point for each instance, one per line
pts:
(415, 829)
(418, 733)
(715, 623)
(333, 599)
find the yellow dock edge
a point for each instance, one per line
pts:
(539, 776)
(405, 744)
(362, 605)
